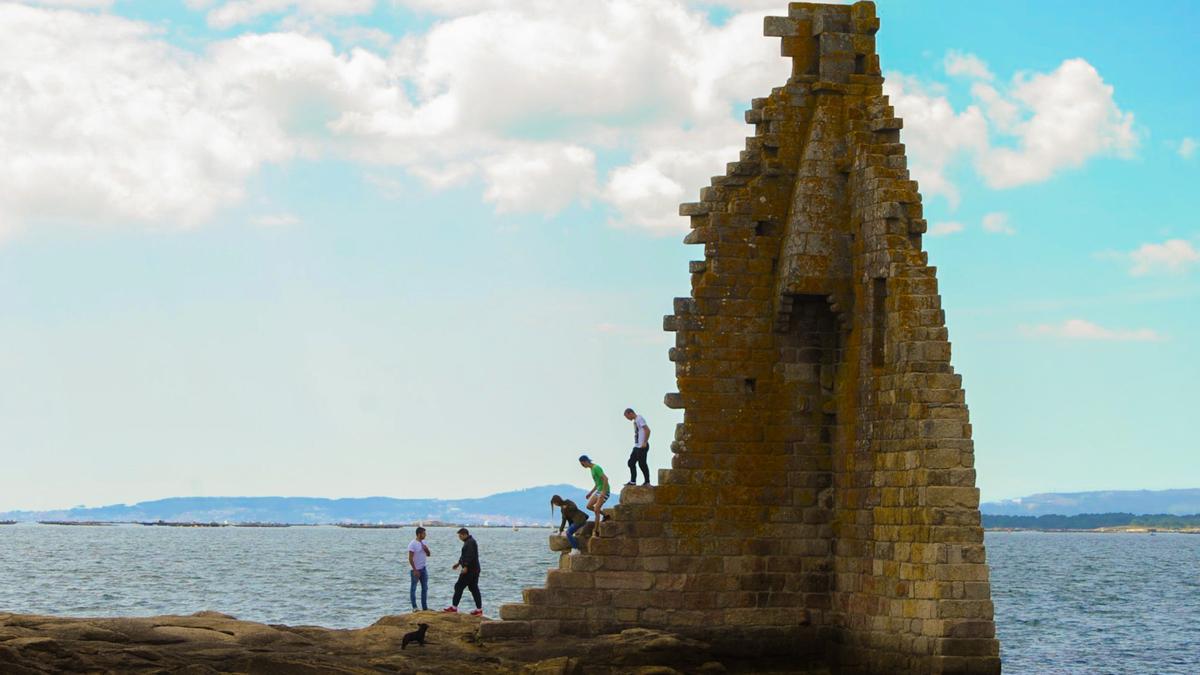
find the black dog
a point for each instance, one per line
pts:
(417, 636)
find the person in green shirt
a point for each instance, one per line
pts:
(599, 492)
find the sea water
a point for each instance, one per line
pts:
(1065, 602)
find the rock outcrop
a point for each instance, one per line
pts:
(208, 642)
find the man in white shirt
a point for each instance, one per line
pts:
(418, 553)
(641, 447)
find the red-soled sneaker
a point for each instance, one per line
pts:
(477, 612)
(452, 610)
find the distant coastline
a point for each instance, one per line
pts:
(1095, 522)
(1176, 502)
(1114, 510)
(1100, 530)
(269, 525)
(521, 508)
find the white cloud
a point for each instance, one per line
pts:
(1072, 117)
(1173, 256)
(544, 179)
(1026, 132)
(671, 169)
(934, 134)
(454, 7)
(966, 65)
(233, 12)
(74, 4)
(1187, 147)
(1000, 111)
(997, 223)
(462, 7)
(521, 97)
(100, 121)
(943, 229)
(275, 220)
(1079, 329)
(627, 76)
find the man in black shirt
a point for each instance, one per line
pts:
(468, 573)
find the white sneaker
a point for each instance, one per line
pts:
(575, 551)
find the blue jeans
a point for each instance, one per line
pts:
(571, 529)
(423, 575)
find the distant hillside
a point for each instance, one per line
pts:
(1174, 502)
(521, 507)
(1092, 521)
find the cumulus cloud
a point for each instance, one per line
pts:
(997, 223)
(1072, 117)
(1001, 112)
(1187, 147)
(544, 179)
(1174, 256)
(969, 65)
(1079, 329)
(230, 13)
(650, 79)
(943, 229)
(74, 4)
(670, 168)
(936, 136)
(520, 97)
(101, 121)
(462, 7)
(1024, 132)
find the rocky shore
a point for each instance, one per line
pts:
(210, 642)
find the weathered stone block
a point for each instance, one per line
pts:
(642, 581)
(967, 497)
(967, 647)
(499, 630)
(563, 579)
(517, 612)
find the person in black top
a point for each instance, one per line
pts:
(468, 573)
(570, 515)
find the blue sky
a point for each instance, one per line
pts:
(418, 248)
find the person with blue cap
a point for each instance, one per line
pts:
(599, 492)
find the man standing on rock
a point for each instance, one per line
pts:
(468, 573)
(641, 447)
(418, 553)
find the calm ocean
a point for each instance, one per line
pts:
(1065, 603)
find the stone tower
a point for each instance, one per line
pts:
(821, 500)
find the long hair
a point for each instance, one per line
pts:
(555, 501)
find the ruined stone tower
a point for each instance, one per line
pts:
(822, 499)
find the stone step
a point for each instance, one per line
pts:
(564, 579)
(515, 612)
(504, 630)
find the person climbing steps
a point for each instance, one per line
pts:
(572, 515)
(599, 492)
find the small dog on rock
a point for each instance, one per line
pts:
(417, 636)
